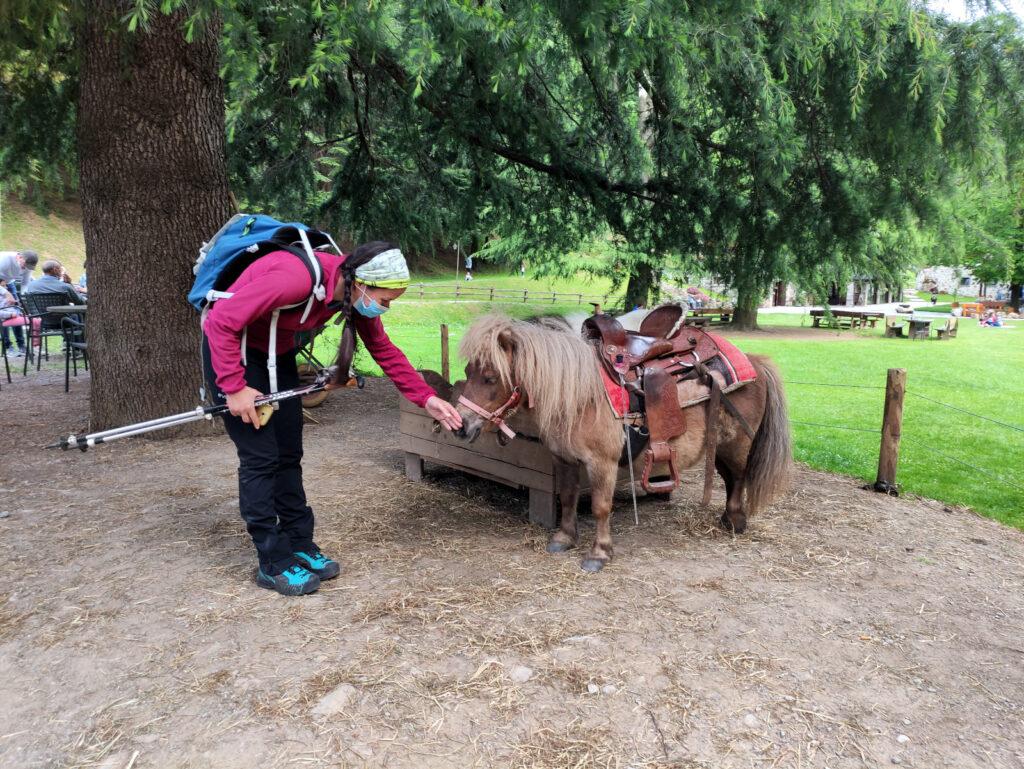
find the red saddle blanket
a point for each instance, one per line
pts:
(732, 364)
(734, 367)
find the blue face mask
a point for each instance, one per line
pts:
(371, 308)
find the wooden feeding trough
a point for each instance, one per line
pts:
(523, 463)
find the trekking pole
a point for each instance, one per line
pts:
(264, 405)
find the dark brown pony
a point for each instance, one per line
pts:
(556, 373)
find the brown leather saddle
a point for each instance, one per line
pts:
(650, 363)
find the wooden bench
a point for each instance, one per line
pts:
(948, 330)
(894, 325)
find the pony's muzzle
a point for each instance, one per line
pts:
(471, 426)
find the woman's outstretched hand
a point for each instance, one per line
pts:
(443, 412)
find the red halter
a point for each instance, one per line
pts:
(500, 414)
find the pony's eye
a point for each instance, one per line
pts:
(490, 380)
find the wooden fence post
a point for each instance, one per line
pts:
(444, 353)
(892, 427)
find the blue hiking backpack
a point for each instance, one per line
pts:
(240, 242)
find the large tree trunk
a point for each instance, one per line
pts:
(641, 283)
(1015, 296)
(748, 300)
(154, 186)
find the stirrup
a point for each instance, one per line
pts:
(665, 455)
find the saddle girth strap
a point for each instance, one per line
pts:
(735, 414)
(710, 434)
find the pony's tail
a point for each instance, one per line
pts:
(770, 462)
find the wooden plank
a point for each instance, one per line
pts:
(521, 451)
(478, 474)
(465, 457)
(543, 508)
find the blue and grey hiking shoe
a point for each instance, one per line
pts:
(294, 580)
(318, 563)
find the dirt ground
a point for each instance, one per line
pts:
(846, 629)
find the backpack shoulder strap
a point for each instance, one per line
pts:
(286, 238)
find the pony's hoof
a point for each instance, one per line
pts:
(554, 546)
(593, 565)
(737, 527)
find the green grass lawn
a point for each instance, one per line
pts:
(926, 296)
(980, 371)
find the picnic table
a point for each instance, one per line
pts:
(919, 324)
(67, 309)
(846, 318)
(713, 314)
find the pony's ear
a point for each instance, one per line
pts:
(506, 342)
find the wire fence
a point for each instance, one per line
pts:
(1017, 428)
(968, 465)
(911, 441)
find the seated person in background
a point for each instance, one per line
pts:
(83, 287)
(17, 266)
(696, 298)
(9, 309)
(991, 319)
(52, 282)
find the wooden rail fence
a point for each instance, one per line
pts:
(491, 294)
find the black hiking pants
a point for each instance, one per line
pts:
(270, 493)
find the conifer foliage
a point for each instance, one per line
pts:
(757, 141)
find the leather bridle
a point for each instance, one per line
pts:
(497, 417)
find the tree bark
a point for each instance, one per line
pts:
(154, 185)
(638, 290)
(1016, 296)
(748, 299)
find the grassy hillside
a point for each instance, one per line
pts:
(56, 236)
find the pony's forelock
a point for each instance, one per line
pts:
(555, 367)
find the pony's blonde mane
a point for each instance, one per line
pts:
(556, 368)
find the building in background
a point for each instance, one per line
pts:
(957, 281)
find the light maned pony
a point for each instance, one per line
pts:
(557, 372)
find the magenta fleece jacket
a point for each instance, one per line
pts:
(280, 279)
